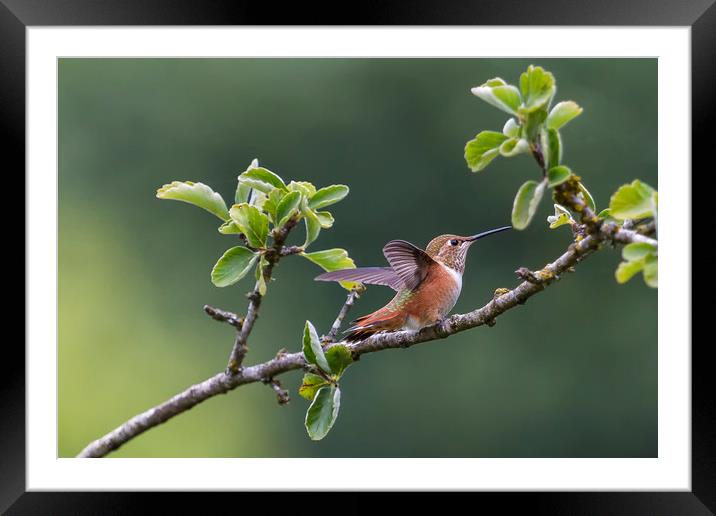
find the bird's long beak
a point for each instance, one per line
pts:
(486, 233)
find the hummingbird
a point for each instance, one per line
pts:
(427, 283)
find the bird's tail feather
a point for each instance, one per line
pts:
(370, 324)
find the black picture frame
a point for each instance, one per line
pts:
(17, 15)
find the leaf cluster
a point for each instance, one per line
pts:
(321, 386)
(264, 206)
(534, 128)
(636, 201)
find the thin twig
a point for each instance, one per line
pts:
(224, 316)
(291, 249)
(282, 396)
(350, 299)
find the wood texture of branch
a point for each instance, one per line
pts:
(222, 383)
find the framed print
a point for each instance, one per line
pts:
(479, 197)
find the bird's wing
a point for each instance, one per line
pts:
(370, 275)
(408, 261)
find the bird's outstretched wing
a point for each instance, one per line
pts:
(408, 262)
(370, 275)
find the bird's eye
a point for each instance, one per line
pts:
(453, 242)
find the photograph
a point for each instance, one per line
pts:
(419, 253)
(369, 257)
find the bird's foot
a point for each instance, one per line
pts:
(442, 325)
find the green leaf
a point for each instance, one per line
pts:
(313, 223)
(526, 202)
(229, 228)
(339, 358)
(303, 187)
(533, 123)
(233, 265)
(333, 260)
(242, 193)
(562, 113)
(261, 179)
(258, 199)
(260, 279)
(503, 96)
(272, 201)
(325, 218)
(552, 147)
(587, 196)
(513, 147)
(637, 251)
(651, 271)
(558, 175)
(561, 217)
(290, 205)
(634, 201)
(497, 81)
(511, 128)
(323, 412)
(327, 196)
(313, 228)
(639, 256)
(253, 223)
(606, 213)
(197, 194)
(310, 385)
(483, 149)
(626, 270)
(312, 349)
(538, 87)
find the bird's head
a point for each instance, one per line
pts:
(451, 250)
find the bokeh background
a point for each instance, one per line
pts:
(573, 373)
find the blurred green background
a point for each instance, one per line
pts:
(573, 373)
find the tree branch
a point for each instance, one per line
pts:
(352, 296)
(238, 352)
(222, 383)
(223, 316)
(628, 236)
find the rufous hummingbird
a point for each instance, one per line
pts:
(428, 283)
